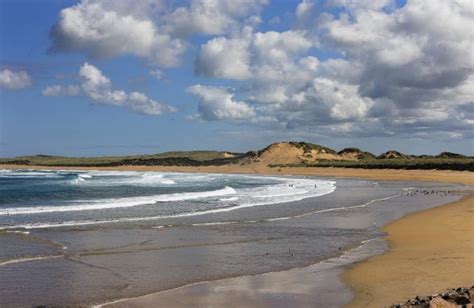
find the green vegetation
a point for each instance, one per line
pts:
(167, 158)
(308, 147)
(360, 154)
(459, 164)
(450, 155)
(392, 154)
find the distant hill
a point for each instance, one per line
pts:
(286, 153)
(450, 155)
(178, 158)
(289, 152)
(393, 154)
(355, 154)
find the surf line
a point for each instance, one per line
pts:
(21, 260)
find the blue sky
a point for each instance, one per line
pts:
(234, 75)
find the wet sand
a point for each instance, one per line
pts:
(429, 251)
(299, 287)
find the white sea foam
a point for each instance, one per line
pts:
(138, 219)
(19, 232)
(77, 180)
(167, 182)
(126, 178)
(28, 174)
(101, 204)
(228, 190)
(267, 191)
(334, 209)
(229, 199)
(29, 259)
(291, 190)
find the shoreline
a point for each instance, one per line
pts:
(443, 176)
(353, 276)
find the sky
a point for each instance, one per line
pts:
(117, 77)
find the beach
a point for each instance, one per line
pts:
(369, 291)
(430, 252)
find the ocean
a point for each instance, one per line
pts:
(46, 199)
(82, 237)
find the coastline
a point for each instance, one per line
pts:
(444, 176)
(438, 245)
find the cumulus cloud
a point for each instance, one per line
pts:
(216, 103)
(362, 4)
(250, 54)
(147, 29)
(60, 90)
(303, 10)
(422, 46)
(98, 87)
(367, 67)
(157, 73)
(225, 58)
(390, 70)
(14, 80)
(342, 99)
(414, 62)
(102, 31)
(213, 17)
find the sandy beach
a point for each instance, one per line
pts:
(429, 251)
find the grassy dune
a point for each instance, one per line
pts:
(460, 164)
(159, 159)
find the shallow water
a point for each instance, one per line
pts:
(90, 237)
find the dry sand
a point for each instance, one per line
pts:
(430, 251)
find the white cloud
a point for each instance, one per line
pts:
(251, 55)
(394, 70)
(275, 46)
(98, 87)
(342, 99)
(362, 4)
(303, 10)
(59, 90)
(225, 58)
(212, 16)
(102, 32)
(157, 73)
(216, 103)
(147, 29)
(14, 80)
(385, 69)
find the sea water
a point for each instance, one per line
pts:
(42, 199)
